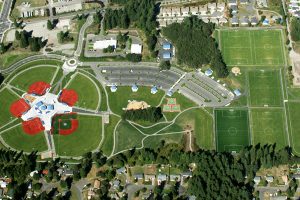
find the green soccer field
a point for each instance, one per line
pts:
(265, 88)
(252, 47)
(268, 127)
(293, 109)
(232, 129)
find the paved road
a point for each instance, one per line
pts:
(5, 23)
(78, 187)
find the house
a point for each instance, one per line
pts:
(166, 55)
(175, 177)
(166, 46)
(203, 10)
(166, 11)
(64, 24)
(237, 92)
(245, 21)
(296, 176)
(185, 11)
(116, 184)
(97, 184)
(234, 21)
(68, 172)
(212, 7)
(121, 170)
(138, 176)
(161, 178)
(269, 179)
(221, 7)
(285, 179)
(194, 10)
(154, 90)
(254, 21)
(257, 179)
(136, 48)
(266, 22)
(232, 3)
(149, 177)
(176, 12)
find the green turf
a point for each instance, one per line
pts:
(25, 78)
(232, 129)
(59, 120)
(119, 99)
(155, 140)
(265, 88)
(6, 99)
(127, 137)
(88, 96)
(86, 138)
(294, 116)
(252, 47)
(17, 139)
(108, 143)
(268, 127)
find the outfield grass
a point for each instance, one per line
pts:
(108, 142)
(252, 47)
(17, 139)
(26, 77)
(155, 140)
(265, 88)
(86, 138)
(6, 99)
(182, 101)
(232, 129)
(294, 116)
(268, 127)
(119, 99)
(127, 137)
(88, 96)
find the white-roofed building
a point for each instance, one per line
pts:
(212, 7)
(136, 48)
(102, 44)
(176, 11)
(185, 11)
(221, 7)
(203, 10)
(194, 10)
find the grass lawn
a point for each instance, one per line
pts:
(6, 99)
(26, 77)
(88, 96)
(202, 124)
(294, 116)
(119, 99)
(10, 57)
(232, 129)
(265, 88)
(255, 47)
(182, 101)
(268, 127)
(153, 129)
(17, 139)
(86, 138)
(155, 140)
(127, 137)
(108, 143)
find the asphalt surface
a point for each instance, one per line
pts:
(5, 23)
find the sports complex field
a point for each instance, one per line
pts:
(252, 47)
(232, 129)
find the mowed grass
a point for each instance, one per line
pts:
(252, 47)
(25, 78)
(108, 142)
(127, 137)
(268, 127)
(119, 99)
(86, 138)
(19, 140)
(154, 141)
(265, 88)
(294, 116)
(88, 96)
(232, 129)
(6, 99)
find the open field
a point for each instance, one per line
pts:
(127, 137)
(294, 116)
(86, 89)
(10, 57)
(268, 126)
(108, 141)
(119, 99)
(26, 77)
(6, 99)
(86, 138)
(265, 88)
(232, 129)
(255, 47)
(155, 140)
(17, 139)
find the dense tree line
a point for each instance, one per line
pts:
(140, 14)
(295, 29)
(64, 37)
(195, 45)
(152, 114)
(26, 39)
(121, 2)
(132, 57)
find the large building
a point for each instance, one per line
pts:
(102, 44)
